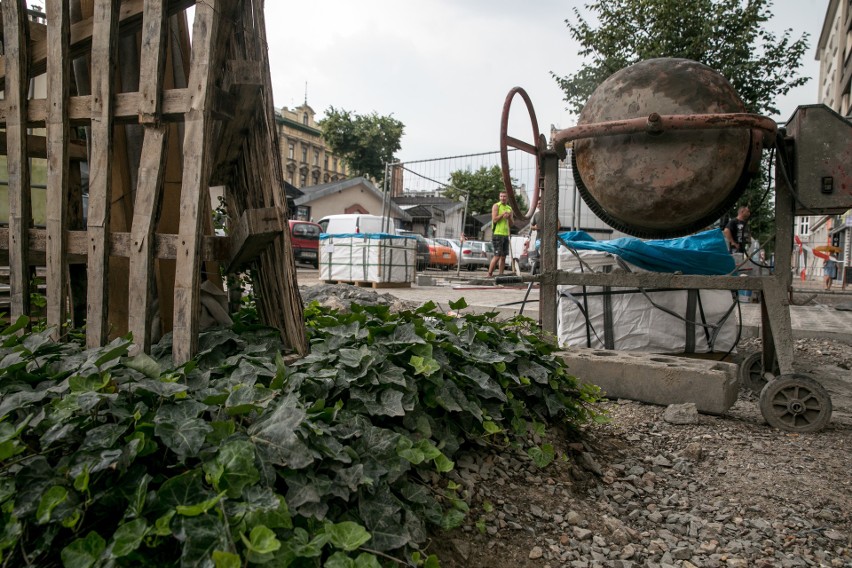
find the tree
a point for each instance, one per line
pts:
(365, 142)
(726, 35)
(483, 186)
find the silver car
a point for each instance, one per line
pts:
(474, 254)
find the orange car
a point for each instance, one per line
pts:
(441, 256)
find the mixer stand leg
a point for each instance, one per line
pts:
(776, 328)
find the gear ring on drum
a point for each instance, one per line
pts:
(535, 149)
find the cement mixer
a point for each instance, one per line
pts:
(662, 149)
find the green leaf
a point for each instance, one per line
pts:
(184, 435)
(347, 535)
(432, 562)
(261, 540)
(236, 469)
(459, 304)
(52, 498)
(90, 383)
(117, 348)
(144, 364)
(83, 552)
(443, 464)
(20, 323)
(275, 434)
(339, 560)
(226, 560)
(452, 519)
(542, 456)
(422, 366)
(128, 537)
(199, 508)
(491, 428)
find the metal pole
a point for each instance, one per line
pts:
(461, 233)
(385, 199)
(548, 255)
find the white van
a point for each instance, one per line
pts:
(356, 223)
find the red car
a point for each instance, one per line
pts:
(304, 237)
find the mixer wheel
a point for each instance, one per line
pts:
(751, 374)
(795, 403)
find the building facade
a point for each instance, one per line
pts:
(305, 158)
(834, 53)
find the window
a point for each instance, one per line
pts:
(316, 157)
(804, 226)
(305, 119)
(303, 212)
(334, 166)
(291, 151)
(304, 153)
(325, 164)
(302, 180)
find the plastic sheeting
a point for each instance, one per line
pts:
(367, 257)
(704, 253)
(627, 319)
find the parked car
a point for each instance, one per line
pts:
(304, 236)
(441, 256)
(423, 256)
(355, 223)
(473, 255)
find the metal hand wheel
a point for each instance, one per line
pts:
(535, 149)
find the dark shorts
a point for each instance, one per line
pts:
(500, 244)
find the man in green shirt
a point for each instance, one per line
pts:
(501, 222)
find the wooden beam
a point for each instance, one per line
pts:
(165, 246)
(244, 79)
(195, 181)
(250, 236)
(15, 44)
(37, 147)
(104, 52)
(152, 66)
(58, 90)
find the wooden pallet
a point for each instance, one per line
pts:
(367, 284)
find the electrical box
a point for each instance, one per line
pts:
(822, 160)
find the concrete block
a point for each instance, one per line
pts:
(424, 280)
(657, 379)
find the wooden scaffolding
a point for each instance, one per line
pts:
(137, 121)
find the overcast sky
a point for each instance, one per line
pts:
(444, 67)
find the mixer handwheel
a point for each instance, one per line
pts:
(751, 373)
(535, 149)
(795, 403)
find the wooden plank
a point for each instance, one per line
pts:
(244, 79)
(195, 179)
(104, 49)
(130, 19)
(15, 42)
(58, 89)
(148, 197)
(251, 234)
(152, 66)
(213, 248)
(37, 147)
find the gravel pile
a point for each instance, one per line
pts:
(641, 491)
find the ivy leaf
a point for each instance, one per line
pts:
(83, 552)
(201, 537)
(261, 540)
(199, 508)
(51, 499)
(223, 559)
(459, 304)
(452, 519)
(236, 460)
(20, 323)
(101, 437)
(128, 537)
(184, 490)
(542, 456)
(179, 429)
(347, 535)
(443, 464)
(275, 434)
(245, 399)
(144, 364)
(339, 560)
(115, 349)
(422, 366)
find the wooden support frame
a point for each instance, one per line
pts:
(104, 49)
(16, 41)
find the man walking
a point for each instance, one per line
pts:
(501, 222)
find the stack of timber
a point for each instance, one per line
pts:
(110, 96)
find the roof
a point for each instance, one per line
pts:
(313, 192)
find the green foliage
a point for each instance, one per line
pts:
(365, 142)
(727, 35)
(234, 459)
(483, 185)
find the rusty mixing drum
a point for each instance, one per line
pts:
(669, 182)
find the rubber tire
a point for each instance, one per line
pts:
(750, 373)
(795, 403)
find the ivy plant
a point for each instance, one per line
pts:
(236, 459)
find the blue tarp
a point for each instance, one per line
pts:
(704, 253)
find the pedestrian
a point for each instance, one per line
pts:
(829, 272)
(501, 223)
(736, 231)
